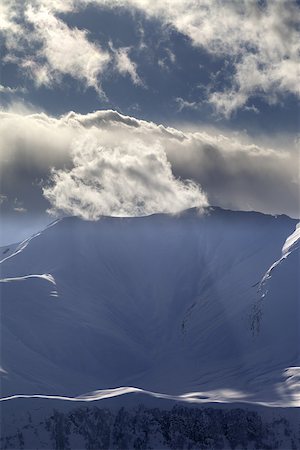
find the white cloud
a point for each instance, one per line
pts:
(18, 206)
(20, 209)
(261, 41)
(107, 163)
(8, 15)
(10, 90)
(3, 199)
(126, 179)
(185, 104)
(125, 65)
(47, 48)
(66, 51)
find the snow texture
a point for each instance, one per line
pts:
(163, 306)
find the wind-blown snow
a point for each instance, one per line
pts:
(24, 244)
(44, 276)
(20, 248)
(290, 244)
(289, 390)
(291, 241)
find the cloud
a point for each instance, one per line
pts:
(3, 199)
(108, 163)
(10, 90)
(125, 179)
(46, 48)
(20, 209)
(30, 144)
(184, 104)
(125, 66)
(259, 41)
(64, 51)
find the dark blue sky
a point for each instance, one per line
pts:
(214, 68)
(169, 66)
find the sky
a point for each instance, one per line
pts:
(133, 107)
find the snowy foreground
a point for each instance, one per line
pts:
(185, 310)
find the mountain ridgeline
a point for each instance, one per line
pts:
(198, 308)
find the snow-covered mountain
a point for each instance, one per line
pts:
(173, 305)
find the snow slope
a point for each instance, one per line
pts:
(178, 306)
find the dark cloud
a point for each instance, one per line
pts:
(126, 164)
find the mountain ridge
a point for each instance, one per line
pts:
(163, 303)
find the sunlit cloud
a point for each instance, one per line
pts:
(261, 42)
(108, 163)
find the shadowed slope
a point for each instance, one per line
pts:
(164, 303)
